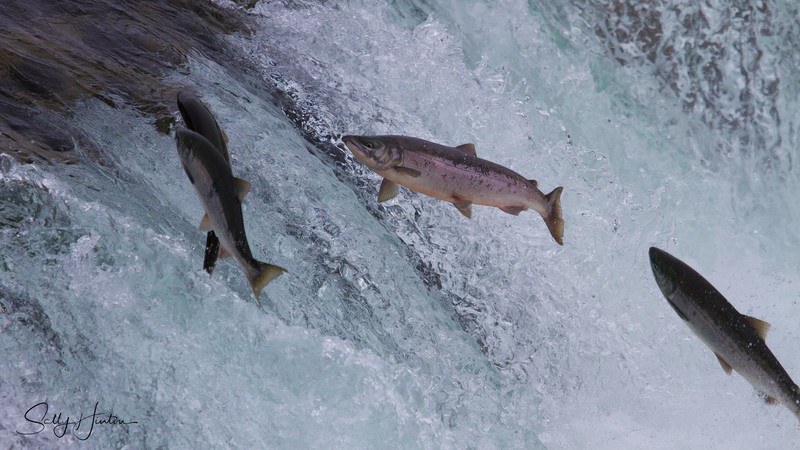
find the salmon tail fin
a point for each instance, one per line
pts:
(554, 221)
(263, 275)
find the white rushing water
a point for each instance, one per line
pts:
(404, 324)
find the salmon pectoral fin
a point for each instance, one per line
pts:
(554, 221)
(388, 191)
(725, 366)
(468, 149)
(463, 206)
(513, 210)
(760, 326)
(205, 224)
(413, 173)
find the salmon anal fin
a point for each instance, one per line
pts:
(468, 149)
(725, 366)
(388, 191)
(224, 253)
(413, 173)
(514, 210)
(760, 326)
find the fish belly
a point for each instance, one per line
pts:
(453, 186)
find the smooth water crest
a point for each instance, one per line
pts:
(399, 324)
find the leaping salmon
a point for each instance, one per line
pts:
(737, 340)
(221, 195)
(455, 175)
(199, 119)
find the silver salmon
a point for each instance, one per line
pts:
(736, 339)
(455, 175)
(221, 195)
(199, 119)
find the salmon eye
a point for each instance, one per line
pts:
(369, 145)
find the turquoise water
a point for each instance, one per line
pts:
(404, 324)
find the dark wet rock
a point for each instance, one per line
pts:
(54, 53)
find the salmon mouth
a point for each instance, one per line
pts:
(352, 144)
(183, 141)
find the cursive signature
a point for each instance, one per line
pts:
(81, 428)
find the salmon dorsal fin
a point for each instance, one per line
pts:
(760, 326)
(468, 149)
(725, 366)
(388, 191)
(768, 399)
(205, 224)
(241, 187)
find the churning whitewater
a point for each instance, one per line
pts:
(397, 323)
